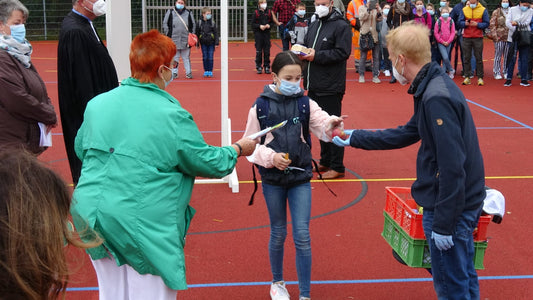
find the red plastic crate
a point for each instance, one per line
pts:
(401, 206)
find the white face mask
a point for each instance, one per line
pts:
(263, 5)
(99, 8)
(321, 11)
(171, 76)
(401, 79)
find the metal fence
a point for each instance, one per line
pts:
(46, 16)
(154, 12)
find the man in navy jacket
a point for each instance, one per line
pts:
(450, 175)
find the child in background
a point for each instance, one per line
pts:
(297, 25)
(444, 34)
(284, 161)
(387, 64)
(208, 37)
(261, 23)
(435, 14)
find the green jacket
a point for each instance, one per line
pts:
(141, 152)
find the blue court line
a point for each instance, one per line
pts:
(360, 281)
(500, 114)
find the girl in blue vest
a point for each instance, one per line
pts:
(284, 161)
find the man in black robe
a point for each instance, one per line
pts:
(84, 70)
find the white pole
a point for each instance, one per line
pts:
(224, 72)
(118, 35)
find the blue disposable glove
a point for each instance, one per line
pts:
(443, 242)
(343, 143)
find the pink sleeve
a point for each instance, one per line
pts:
(438, 35)
(429, 21)
(319, 120)
(452, 32)
(262, 155)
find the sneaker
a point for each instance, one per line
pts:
(278, 291)
(507, 82)
(206, 74)
(188, 76)
(480, 81)
(304, 298)
(376, 80)
(498, 77)
(524, 83)
(466, 81)
(174, 73)
(210, 74)
(361, 79)
(451, 74)
(267, 70)
(387, 73)
(505, 76)
(393, 80)
(259, 70)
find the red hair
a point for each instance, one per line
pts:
(148, 51)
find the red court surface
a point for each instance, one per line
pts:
(226, 251)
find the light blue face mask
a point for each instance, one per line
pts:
(401, 1)
(208, 17)
(301, 12)
(524, 8)
(505, 5)
(289, 88)
(18, 32)
(463, 1)
(442, 4)
(472, 6)
(445, 15)
(430, 11)
(180, 6)
(386, 11)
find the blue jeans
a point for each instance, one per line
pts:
(444, 50)
(207, 56)
(299, 199)
(454, 275)
(523, 57)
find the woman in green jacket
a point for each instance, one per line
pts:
(141, 152)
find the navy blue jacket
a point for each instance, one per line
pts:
(450, 173)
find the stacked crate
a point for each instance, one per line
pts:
(404, 232)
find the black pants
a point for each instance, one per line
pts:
(262, 48)
(331, 155)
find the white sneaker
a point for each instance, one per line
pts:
(278, 291)
(387, 73)
(361, 79)
(304, 298)
(451, 74)
(376, 80)
(498, 77)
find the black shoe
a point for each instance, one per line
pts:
(259, 70)
(393, 80)
(507, 82)
(524, 83)
(267, 70)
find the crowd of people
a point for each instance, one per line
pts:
(135, 246)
